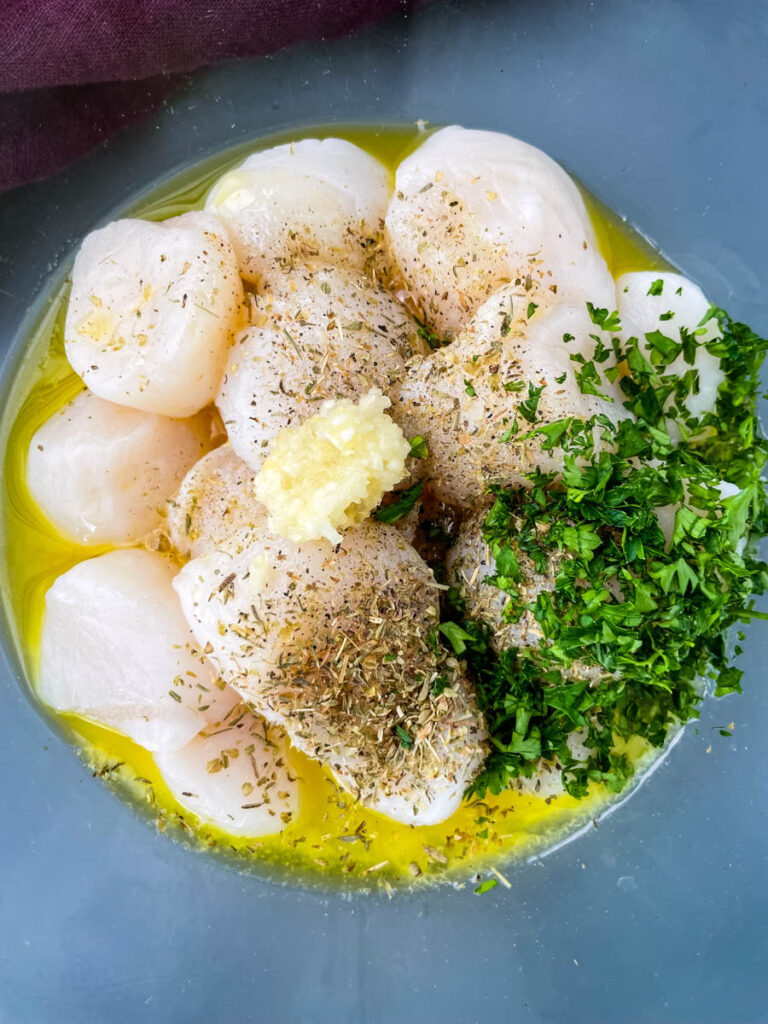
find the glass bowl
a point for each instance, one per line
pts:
(656, 915)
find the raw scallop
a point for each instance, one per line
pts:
(117, 649)
(304, 201)
(640, 313)
(469, 564)
(235, 776)
(467, 399)
(102, 473)
(333, 644)
(152, 312)
(215, 501)
(325, 333)
(473, 211)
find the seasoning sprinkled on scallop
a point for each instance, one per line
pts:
(235, 775)
(215, 501)
(473, 211)
(309, 200)
(152, 312)
(316, 334)
(476, 401)
(102, 473)
(335, 645)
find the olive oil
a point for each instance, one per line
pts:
(332, 838)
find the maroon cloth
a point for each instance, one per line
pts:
(72, 72)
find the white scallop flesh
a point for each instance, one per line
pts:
(325, 333)
(235, 775)
(102, 473)
(475, 210)
(215, 501)
(328, 643)
(309, 200)
(152, 312)
(465, 397)
(641, 313)
(116, 649)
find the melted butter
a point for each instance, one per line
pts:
(331, 837)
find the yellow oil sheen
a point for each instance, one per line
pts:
(332, 839)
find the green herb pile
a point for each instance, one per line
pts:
(634, 621)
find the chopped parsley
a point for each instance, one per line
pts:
(607, 321)
(527, 408)
(636, 616)
(486, 886)
(400, 507)
(419, 449)
(439, 685)
(456, 636)
(432, 340)
(406, 741)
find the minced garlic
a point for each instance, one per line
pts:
(332, 470)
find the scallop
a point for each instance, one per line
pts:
(102, 473)
(469, 564)
(333, 645)
(215, 501)
(652, 301)
(152, 311)
(116, 649)
(473, 400)
(321, 334)
(310, 200)
(235, 776)
(473, 211)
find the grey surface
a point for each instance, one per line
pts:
(660, 915)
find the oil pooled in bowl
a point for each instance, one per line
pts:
(332, 839)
